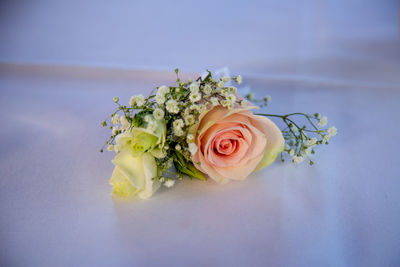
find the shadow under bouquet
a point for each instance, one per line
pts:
(204, 129)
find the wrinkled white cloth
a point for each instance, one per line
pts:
(337, 57)
(55, 198)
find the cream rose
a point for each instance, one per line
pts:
(136, 169)
(232, 143)
(134, 175)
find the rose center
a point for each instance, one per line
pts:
(227, 143)
(226, 146)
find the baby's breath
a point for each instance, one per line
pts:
(158, 114)
(231, 98)
(189, 120)
(194, 87)
(160, 99)
(225, 79)
(238, 79)
(302, 138)
(195, 97)
(115, 119)
(169, 183)
(178, 123)
(162, 90)
(172, 106)
(323, 121)
(192, 148)
(214, 101)
(207, 89)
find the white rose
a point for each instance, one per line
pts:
(135, 169)
(134, 175)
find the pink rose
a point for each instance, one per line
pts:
(232, 143)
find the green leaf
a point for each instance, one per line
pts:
(186, 167)
(206, 79)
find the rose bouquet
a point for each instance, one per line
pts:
(203, 128)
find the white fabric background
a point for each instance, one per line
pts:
(63, 62)
(335, 39)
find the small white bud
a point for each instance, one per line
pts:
(160, 99)
(178, 131)
(311, 142)
(178, 123)
(115, 119)
(169, 183)
(233, 90)
(194, 87)
(225, 79)
(115, 130)
(332, 131)
(194, 97)
(231, 98)
(297, 159)
(238, 79)
(207, 89)
(139, 100)
(189, 120)
(323, 121)
(190, 137)
(192, 148)
(158, 114)
(267, 98)
(250, 96)
(214, 101)
(172, 106)
(162, 90)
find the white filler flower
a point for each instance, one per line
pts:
(297, 159)
(162, 90)
(194, 97)
(189, 120)
(207, 89)
(214, 101)
(158, 114)
(332, 131)
(160, 99)
(172, 106)
(311, 142)
(323, 121)
(169, 183)
(225, 79)
(192, 148)
(115, 119)
(194, 87)
(238, 79)
(178, 123)
(137, 99)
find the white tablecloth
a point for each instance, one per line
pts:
(56, 208)
(337, 57)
